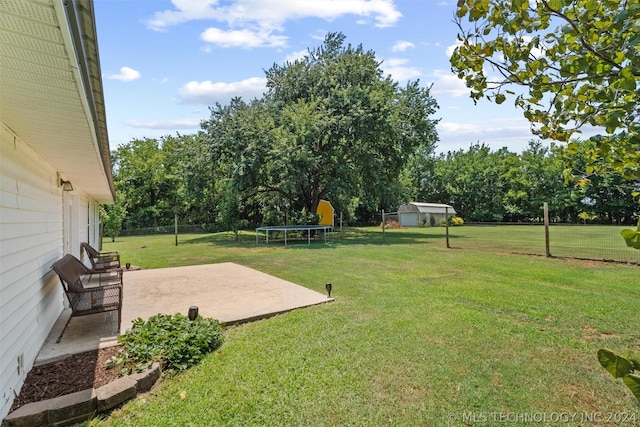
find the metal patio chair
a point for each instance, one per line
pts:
(87, 290)
(101, 261)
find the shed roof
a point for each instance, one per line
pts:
(432, 207)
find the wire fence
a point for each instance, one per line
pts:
(582, 241)
(167, 229)
(600, 242)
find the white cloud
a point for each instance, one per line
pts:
(447, 83)
(398, 69)
(514, 132)
(402, 45)
(452, 47)
(269, 13)
(185, 10)
(126, 74)
(165, 124)
(246, 39)
(319, 35)
(209, 93)
(293, 56)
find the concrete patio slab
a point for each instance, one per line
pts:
(228, 292)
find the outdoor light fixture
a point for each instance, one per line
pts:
(328, 286)
(66, 185)
(193, 312)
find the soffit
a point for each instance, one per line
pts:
(42, 96)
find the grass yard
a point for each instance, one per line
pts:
(418, 335)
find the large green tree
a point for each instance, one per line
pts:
(567, 63)
(331, 125)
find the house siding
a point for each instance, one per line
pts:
(32, 234)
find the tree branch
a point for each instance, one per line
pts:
(583, 42)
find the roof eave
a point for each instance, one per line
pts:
(81, 23)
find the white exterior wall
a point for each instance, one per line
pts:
(33, 214)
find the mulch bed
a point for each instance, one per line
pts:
(75, 373)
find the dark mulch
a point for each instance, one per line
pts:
(75, 373)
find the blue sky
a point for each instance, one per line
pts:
(165, 62)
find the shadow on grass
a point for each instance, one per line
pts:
(351, 236)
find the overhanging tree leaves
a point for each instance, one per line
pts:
(577, 62)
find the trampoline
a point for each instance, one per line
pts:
(286, 228)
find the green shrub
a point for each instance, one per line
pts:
(173, 340)
(456, 221)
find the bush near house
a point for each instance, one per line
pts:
(173, 340)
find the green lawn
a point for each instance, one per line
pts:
(418, 335)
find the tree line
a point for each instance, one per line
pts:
(332, 126)
(157, 179)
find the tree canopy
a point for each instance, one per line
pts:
(576, 62)
(330, 126)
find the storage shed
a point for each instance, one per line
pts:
(415, 214)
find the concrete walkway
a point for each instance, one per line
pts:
(228, 292)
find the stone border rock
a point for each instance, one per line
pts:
(83, 405)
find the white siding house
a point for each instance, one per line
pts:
(416, 214)
(52, 129)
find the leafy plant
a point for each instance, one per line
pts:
(621, 367)
(618, 366)
(584, 216)
(456, 221)
(632, 237)
(570, 70)
(173, 340)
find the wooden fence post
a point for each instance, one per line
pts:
(545, 207)
(446, 221)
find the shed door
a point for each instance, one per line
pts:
(409, 219)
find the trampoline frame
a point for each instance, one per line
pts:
(285, 228)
